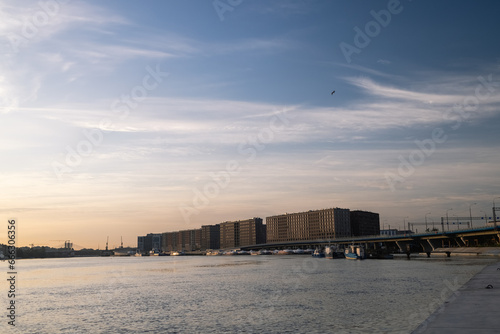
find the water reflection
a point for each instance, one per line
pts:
(273, 294)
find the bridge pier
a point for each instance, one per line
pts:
(433, 247)
(408, 251)
(426, 246)
(460, 242)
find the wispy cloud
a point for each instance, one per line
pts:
(383, 91)
(382, 107)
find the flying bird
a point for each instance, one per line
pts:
(332, 93)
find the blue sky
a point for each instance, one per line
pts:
(122, 118)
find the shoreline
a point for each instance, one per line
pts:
(471, 308)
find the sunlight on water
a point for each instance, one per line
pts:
(265, 294)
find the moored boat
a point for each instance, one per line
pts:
(331, 252)
(177, 253)
(355, 252)
(285, 252)
(212, 252)
(154, 252)
(318, 253)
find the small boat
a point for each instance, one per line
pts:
(154, 252)
(177, 253)
(318, 253)
(285, 252)
(242, 252)
(331, 252)
(354, 252)
(298, 251)
(213, 252)
(265, 252)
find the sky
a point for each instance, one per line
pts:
(122, 118)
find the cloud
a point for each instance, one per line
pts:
(383, 91)
(29, 23)
(384, 61)
(382, 108)
(251, 44)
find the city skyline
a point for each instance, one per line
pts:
(125, 118)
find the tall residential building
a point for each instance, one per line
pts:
(210, 237)
(152, 241)
(365, 223)
(252, 232)
(155, 241)
(169, 241)
(187, 240)
(192, 239)
(242, 233)
(141, 243)
(230, 235)
(311, 225)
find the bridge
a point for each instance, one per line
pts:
(406, 243)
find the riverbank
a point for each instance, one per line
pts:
(468, 251)
(472, 308)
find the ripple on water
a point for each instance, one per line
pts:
(228, 295)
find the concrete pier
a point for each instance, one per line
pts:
(474, 308)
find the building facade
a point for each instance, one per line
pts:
(230, 235)
(252, 232)
(364, 223)
(169, 241)
(311, 225)
(141, 243)
(210, 237)
(152, 241)
(242, 233)
(186, 240)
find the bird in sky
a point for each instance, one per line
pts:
(332, 93)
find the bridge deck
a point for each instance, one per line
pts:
(380, 238)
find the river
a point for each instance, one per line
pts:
(232, 294)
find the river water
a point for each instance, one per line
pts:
(232, 294)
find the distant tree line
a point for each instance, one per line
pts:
(47, 252)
